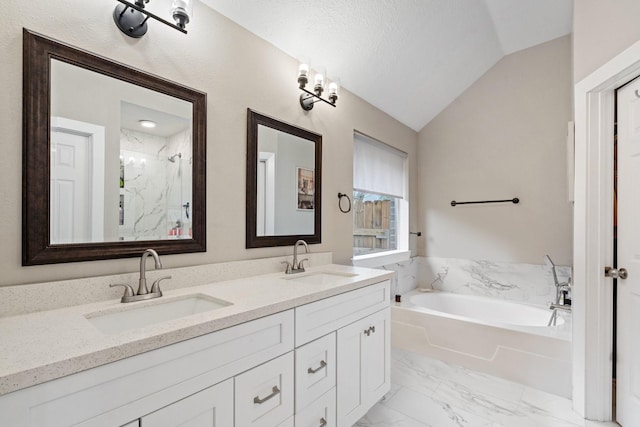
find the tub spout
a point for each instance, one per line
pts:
(560, 307)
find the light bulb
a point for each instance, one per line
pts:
(333, 88)
(182, 12)
(303, 70)
(319, 79)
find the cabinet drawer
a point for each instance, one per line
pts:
(322, 317)
(264, 395)
(315, 370)
(322, 413)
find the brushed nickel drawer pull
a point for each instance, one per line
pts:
(323, 364)
(323, 422)
(274, 392)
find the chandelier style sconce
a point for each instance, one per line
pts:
(308, 98)
(131, 18)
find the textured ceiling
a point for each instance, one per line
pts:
(409, 58)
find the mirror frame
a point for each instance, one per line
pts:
(38, 51)
(252, 240)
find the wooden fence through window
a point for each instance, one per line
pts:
(371, 224)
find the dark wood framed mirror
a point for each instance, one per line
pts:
(284, 183)
(93, 186)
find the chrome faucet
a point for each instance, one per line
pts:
(143, 291)
(296, 266)
(563, 290)
(142, 282)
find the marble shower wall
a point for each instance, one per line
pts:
(153, 186)
(528, 283)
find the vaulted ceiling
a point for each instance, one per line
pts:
(409, 58)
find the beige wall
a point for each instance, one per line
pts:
(237, 70)
(504, 137)
(602, 29)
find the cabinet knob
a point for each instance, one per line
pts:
(274, 392)
(323, 422)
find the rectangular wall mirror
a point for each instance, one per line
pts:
(113, 158)
(284, 183)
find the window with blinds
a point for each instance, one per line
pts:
(380, 211)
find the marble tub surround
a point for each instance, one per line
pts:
(46, 345)
(31, 298)
(407, 275)
(528, 283)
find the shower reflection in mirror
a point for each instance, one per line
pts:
(141, 193)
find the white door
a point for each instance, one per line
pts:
(628, 232)
(77, 182)
(70, 196)
(212, 407)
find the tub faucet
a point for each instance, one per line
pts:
(143, 291)
(563, 290)
(296, 266)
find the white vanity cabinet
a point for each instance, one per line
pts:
(320, 364)
(360, 321)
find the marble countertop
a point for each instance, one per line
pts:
(46, 345)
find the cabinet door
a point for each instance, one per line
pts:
(211, 407)
(363, 352)
(376, 357)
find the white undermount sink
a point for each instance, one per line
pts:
(136, 316)
(320, 277)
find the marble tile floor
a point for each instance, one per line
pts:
(428, 392)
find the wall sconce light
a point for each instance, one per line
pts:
(308, 98)
(131, 18)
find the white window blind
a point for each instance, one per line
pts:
(378, 168)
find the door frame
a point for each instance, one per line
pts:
(593, 233)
